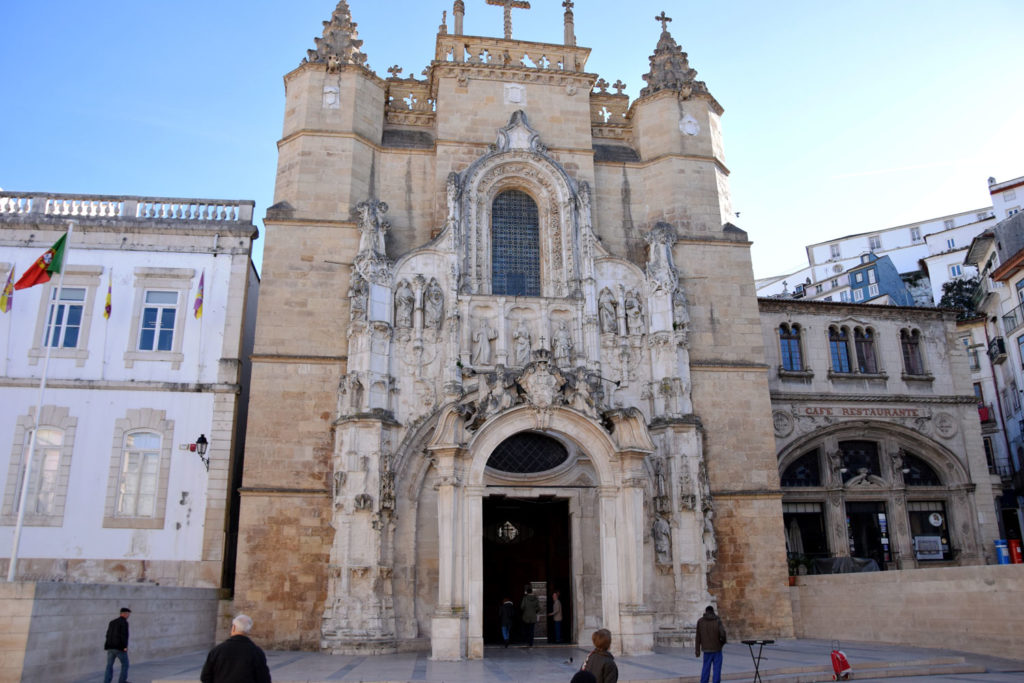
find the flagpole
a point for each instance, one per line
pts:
(12, 566)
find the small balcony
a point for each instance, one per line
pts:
(1013, 320)
(997, 351)
(986, 413)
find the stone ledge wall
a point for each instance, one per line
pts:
(54, 631)
(974, 609)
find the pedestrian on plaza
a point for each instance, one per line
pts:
(710, 638)
(507, 613)
(237, 659)
(600, 662)
(116, 645)
(556, 615)
(530, 608)
(583, 677)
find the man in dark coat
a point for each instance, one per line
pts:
(710, 638)
(530, 608)
(237, 659)
(506, 612)
(116, 645)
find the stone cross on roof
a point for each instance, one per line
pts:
(395, 71)
(662, 18)
(508, 5)
(568, 5)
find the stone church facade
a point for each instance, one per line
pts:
(507, 335)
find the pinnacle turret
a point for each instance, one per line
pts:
(670, 68)
(339, 44)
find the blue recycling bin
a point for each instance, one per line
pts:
(1002, 552)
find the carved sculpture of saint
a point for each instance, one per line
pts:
(433, 306)
(562, 346)
(521, 344)
(662, 534)
(482, 337)
(634, 317)
(357, 295)
(680, 312)
(606, 309)
(404, 302)
(452, 196)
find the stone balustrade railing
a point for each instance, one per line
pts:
(135, 208)
(498, 52)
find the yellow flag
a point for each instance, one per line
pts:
(7, 297)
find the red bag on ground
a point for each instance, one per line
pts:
(840, 666)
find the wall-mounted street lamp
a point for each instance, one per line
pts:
(200, 447)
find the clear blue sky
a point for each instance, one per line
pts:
(840, 117)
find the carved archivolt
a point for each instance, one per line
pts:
(520, 161)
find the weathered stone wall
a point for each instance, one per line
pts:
(54, 631)
(975, 609)
(731, 399)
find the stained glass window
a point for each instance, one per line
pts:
(515, 245)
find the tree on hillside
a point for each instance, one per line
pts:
(957, 294)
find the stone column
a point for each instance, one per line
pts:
(459, 11)
(635, 618)
(608, 502)
(474, 561)
(449, 624)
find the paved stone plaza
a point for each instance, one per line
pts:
(786, 660)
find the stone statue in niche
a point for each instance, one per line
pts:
(662, 534)
(661, 271)
(404, 302)
(687, 498)
(634, 316)
(364, 501)
(562, 346)
(372, 226)
(606, 311)
(433, 306)
(521, 344)
(482, 338)
(584, 392)
(662, 502)
(358, 293)
(680, 308)
(339, 482)
(452, 192)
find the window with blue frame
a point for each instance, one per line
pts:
(839, 348)
(789, 346)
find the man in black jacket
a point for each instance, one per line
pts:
(710, 638)
(116, 645)
(237, 659)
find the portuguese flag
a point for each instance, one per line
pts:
(45, 266)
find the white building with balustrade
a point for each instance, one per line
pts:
(117, 490)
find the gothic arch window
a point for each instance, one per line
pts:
(910, 342)
(789, 346)
(804, 471)
(515, 245)
(916, 472)
(528, 453)
(864, 343)
(839, 349)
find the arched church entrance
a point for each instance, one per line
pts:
(527, 542)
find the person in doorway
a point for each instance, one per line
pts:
(600, 662)
(530, 608)
(556, 615)
(116, 645)
(506, 612)
(237, 659)
(710, 638)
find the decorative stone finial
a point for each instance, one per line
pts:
(602, 84)
(339, 44)
(670, 69)
(619, 86)
(395, 71)
(570, 33)
(509, 5)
